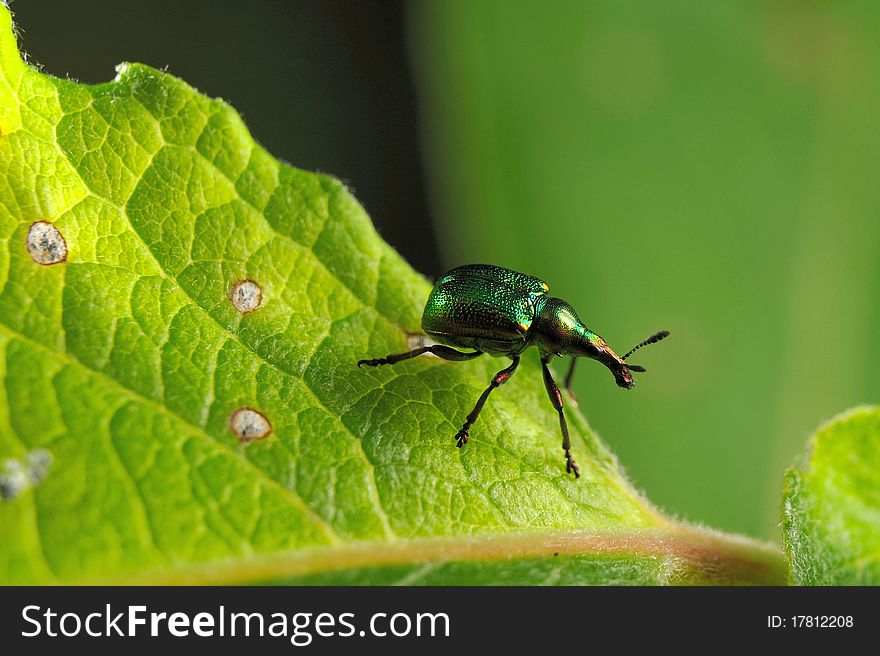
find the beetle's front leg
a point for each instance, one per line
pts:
(556, 399)
(461, 437)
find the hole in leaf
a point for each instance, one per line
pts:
(45, 244)
(249, 425)
(246, 296)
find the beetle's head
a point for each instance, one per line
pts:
(596, 348)
(558, 330)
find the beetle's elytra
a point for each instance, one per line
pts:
(494, 310)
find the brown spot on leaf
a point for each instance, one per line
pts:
(45, 244)
(249, 425)
(246, 296)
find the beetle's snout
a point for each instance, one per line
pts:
(624, 377)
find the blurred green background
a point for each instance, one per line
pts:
(710, 168)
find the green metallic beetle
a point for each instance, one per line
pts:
(501, 312)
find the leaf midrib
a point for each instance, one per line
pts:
(712, 557)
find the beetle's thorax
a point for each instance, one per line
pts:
(557, 330)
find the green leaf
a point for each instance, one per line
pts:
(123, 363)
(831, 507)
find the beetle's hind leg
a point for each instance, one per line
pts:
(498, 380)
(437, 349)
(556, 399)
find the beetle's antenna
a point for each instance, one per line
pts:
(653, 339)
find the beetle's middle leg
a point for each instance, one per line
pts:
(497, 381)
(437, 349)
(556, 399)
(568, 379)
